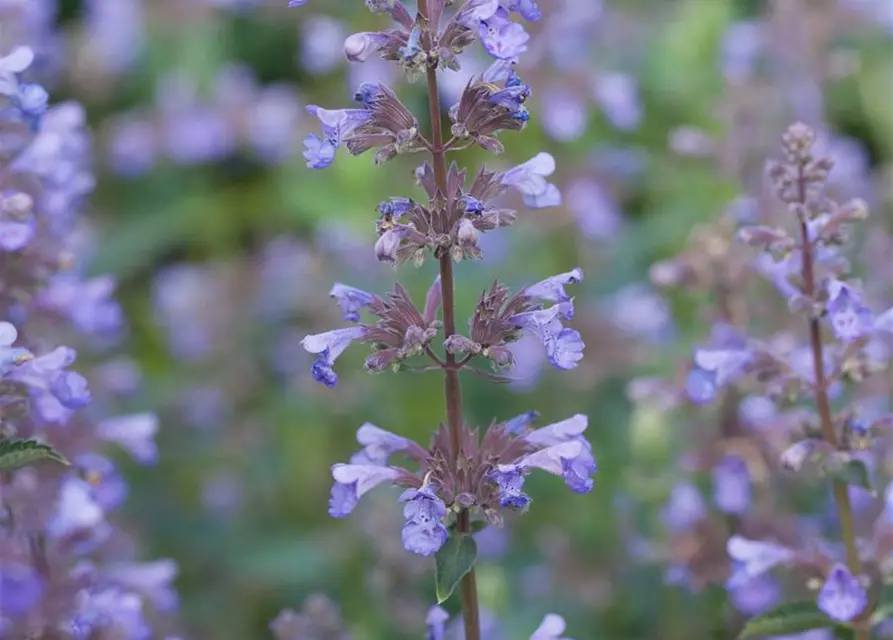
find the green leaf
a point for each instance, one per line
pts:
(788, 618)
(18, 453)
(854, 472)
(452, 562)
(884, 608)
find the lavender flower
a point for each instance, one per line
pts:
(529, 179)
(423, 532)
(842, 596)
(353, 481)
(328, 346)
(337, 126)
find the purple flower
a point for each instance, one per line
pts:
(107, 487)
(752, 596)
(527, 8)
(731, 485)
(88, 304)
(351, 300)
(842, 596)
(756, 556)
(529, 179)
(518, 424)
(119, 612)
(11, 357)
(501, 37)
(597, 214)
(337, 125)
(17, 223)
(296, 3)
(571, 460)
(353, 481)
(510, 480)
(552, 626)
(617, 94)
(17, 61)
(328, 346)
(552, 290)
(564, 347)
(684, 509)
(359, 47)
(378, 445)
(884, 322)
(424, 532)
(76, 509)
(150, 579)
(71, 390)
(849, 318)
(436, 623)
(21, 588)
(135, 433)
(714, 369)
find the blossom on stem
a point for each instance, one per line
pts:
(529, 178)
(757, 556)
(423, 532)
(552, 290)
(849, 317)
(842, 596)
(353, 481)
(328, 346)
(337, 125)
(378, 445)
(351, 300)
(564, 347)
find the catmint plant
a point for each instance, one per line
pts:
(809, 379)
(64, 572)
(465, 478)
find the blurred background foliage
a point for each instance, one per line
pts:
(239, 496)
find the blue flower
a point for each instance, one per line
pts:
(850, 319)
(135, 433)
(529, 178)
(552, 290)
(76, 509)
(11, 357)
(328, 346)
(32, 101)
(684, 508)
(564, 347)
(353, 481)
(510, 480)
(153, 580)
(714, 369)
(71, 390)
(378, 445)
(527, 8)
(571, 460)
(114, 610)
(501, 37)
(297, 3)
(367, 93)
(731, 485)
(551, 628)
(17, 222)
(337, 125)
(518, 424)
(17, 61)
(21, 588)
(842, 596)
(351, 300)
(436, 623)
(107, 486)
(395, 207)
(756, 556)
(424, 532)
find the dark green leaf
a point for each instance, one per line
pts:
(786, 619)
(452, 562)
(854, 472)
(18, 453)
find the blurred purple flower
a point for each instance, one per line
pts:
(424, 532)
(842, 596)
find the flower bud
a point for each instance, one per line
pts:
(386, 246)
(359, 47)
(381, 360)
(501, 356)
(460, 344)
(467, 235)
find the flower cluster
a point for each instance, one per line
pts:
(62, 570)
(464, 476)
(789, 396)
